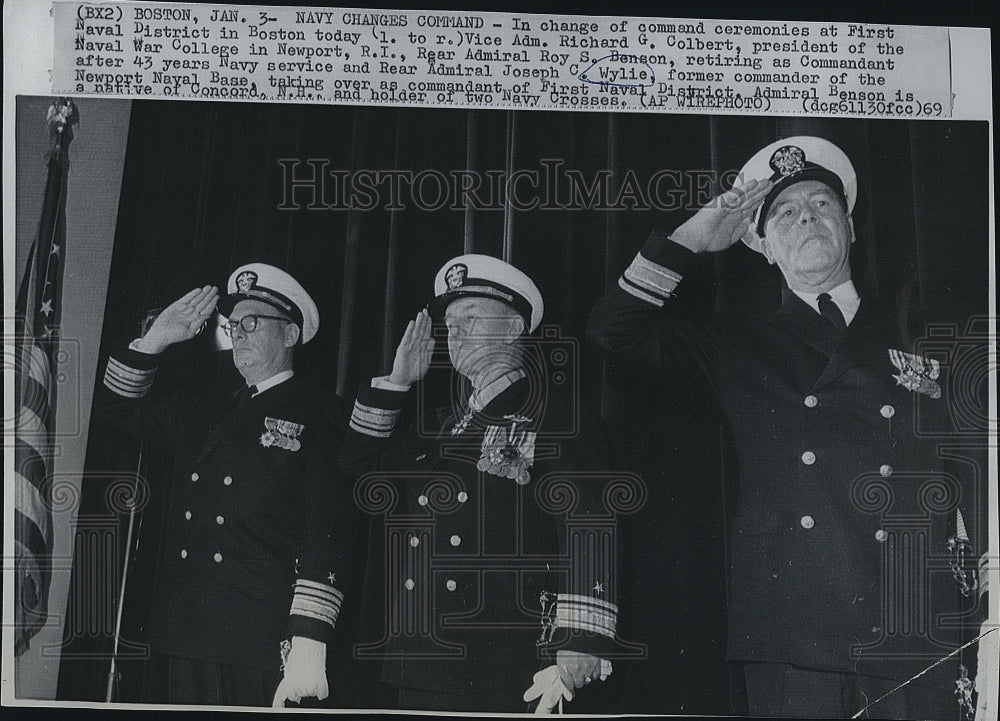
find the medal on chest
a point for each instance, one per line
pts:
(916, 373)
(282, 434)
(508, 450)
(462, 425)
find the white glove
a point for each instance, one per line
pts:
(305, 673)
(549, 687)
(578, 669)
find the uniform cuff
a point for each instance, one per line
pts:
(586, 613)
(657, 270)
(131, 373)
(376, 410)
(383, 383)
(662, 251)
(315, 608)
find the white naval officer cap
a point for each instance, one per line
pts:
(271, 285)
(792, 160)
(483, 276)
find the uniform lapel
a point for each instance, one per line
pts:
(233, 419)
(836, 353)
(803, 345)
(468, 444)
(861, 341)
(797, 318)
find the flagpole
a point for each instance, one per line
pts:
(113, 671)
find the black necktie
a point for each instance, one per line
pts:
(831, 312)
(243, 397)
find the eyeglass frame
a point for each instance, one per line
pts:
(230, 326)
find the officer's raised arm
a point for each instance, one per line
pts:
(413, 354)
(179, 321)
(724, 220)
(123, 399)
(624, 319)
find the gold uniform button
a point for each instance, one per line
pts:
(885, 469)
(807, 522)
(184, 553)
(463, 497)
(881, 535)
(409, 584)
(414, 541)
(195, 476)
(455, 540)
(808, 458)
(422, 500)
(220, 520)
(887, 411)
(187, 515)
(451, 585)
(811, 401)
(218, 557)
(228, 480)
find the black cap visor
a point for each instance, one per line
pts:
(478, 288)
(264, 295)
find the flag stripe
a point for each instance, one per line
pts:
(29, 462)
(31, 493)
(30, 534)
(34, 398)
(36, 364)
(29, 503)
(32, 431)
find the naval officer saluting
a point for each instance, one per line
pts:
(260, 531)
(474, 604)
(840, 592)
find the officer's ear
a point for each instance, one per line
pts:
(514, 329)
(292, 333)
(850, 224)
(765, 247)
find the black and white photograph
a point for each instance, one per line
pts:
(479, 410)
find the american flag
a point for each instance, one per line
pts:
(38, 312)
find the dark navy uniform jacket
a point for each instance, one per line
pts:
(262, 529)
(464, 549)
(850, 474)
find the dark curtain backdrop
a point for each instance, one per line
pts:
(202, 193)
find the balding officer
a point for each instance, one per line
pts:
(260, 530)
(474, 603)
(848, 519)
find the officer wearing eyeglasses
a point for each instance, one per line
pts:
(260, 530)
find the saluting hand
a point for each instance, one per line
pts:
(724, 220)
(181, 320)
(413, 354)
